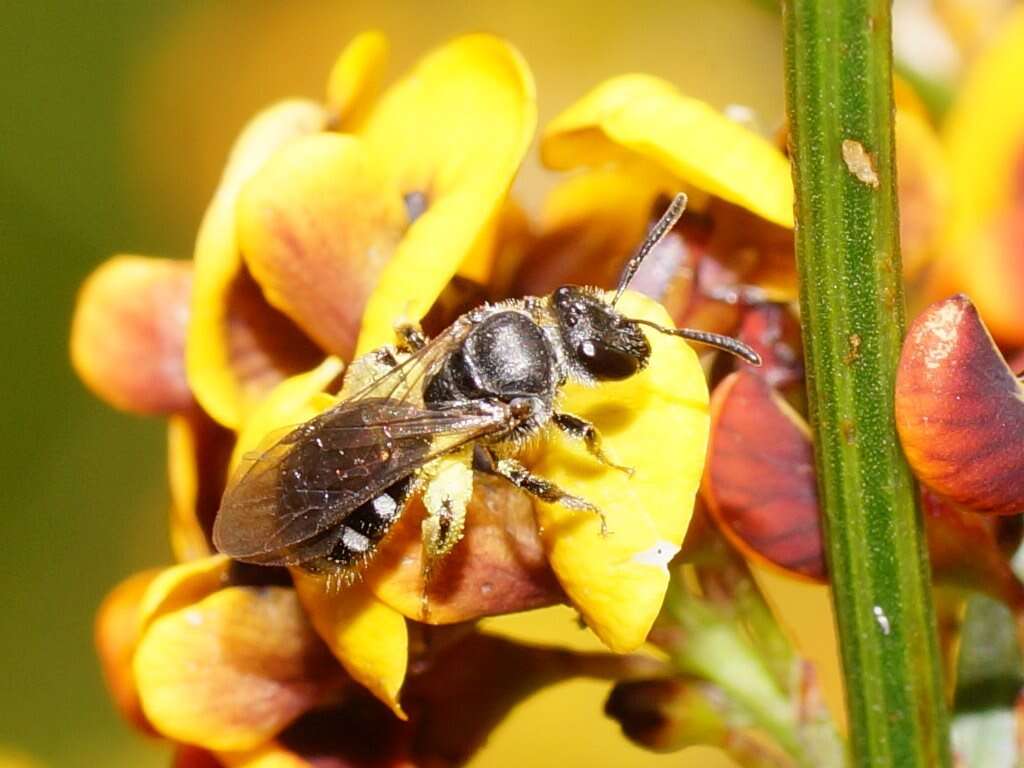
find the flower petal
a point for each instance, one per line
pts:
(773, 331)
(232, 670)
(984, 130)
(498, 567)
(237, 345)
(960, 410)
(452, 134)
(369, 638)
(317, 225)
(657, 423)
(355, 79)
(292, 402)
(965, 549)
(198, 450)
(640, 115)
(116, 636)
(128, 333)
(187, 756)
(590, 225)
(759, 483)
(924, 191)
(182, 585)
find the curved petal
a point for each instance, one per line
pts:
(237, 345)
(292, 402)
(355, 79)
(198, 450)
(984, 130)
(960, 410)
(369, 638)
(640, 115)
(657, 423)
(232, 670)
(452, 134)
(590, 224)
(923, 189)
(182, 585)
(498, 567)
(128, 333)
(116, 636)
(317, 225)
(759, 484)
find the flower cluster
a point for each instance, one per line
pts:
(334, 220)
(331, 222)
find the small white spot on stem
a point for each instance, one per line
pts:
(882, 619)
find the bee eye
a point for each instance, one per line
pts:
(604, 362)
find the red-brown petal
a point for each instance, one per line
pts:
(774, 333)
(960, 410)
(759, 482)
(498, 567)
(965, 550)
(128, 333)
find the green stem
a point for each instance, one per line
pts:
(839, 103)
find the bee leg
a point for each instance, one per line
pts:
(543, 488)
(409, 337)
(446, 498)
(583, 430)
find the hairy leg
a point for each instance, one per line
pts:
(581, 429)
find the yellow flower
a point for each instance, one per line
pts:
(634, 140)
(333, 221)
(984, 141)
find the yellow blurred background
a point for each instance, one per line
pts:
(117, 117)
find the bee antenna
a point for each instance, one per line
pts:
(717, 340)
(655, 236)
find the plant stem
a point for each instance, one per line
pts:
(839, 103)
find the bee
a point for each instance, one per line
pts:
(422, 416)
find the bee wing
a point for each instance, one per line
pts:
(404, 382)
(285, 505)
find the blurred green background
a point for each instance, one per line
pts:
(116, 118)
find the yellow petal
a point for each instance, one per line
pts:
(642, 116)
(292, 402)
(590, 224)
(128, 333)
(317, 226)
(454, 131)
(231, 671)
(984, 130)
(116, 636)
(369, 638)
(182, 585)
(235, 344)
(924, 191)
(198, 450)
(355, 79)
(657, 422)
(270, 755)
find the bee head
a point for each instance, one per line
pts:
(600, 340)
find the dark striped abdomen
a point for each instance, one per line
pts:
(362, 530)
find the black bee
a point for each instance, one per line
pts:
(423, 415)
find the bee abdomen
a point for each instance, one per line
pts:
(362, 530)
